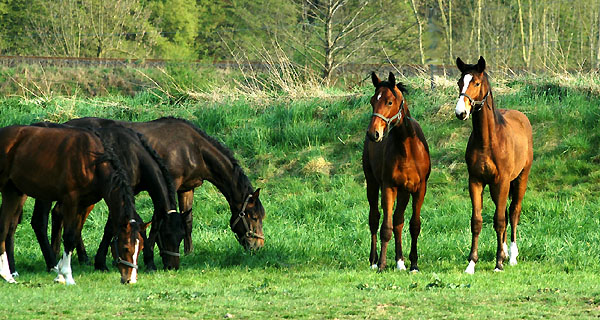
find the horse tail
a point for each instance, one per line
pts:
(162, 166)
(118, 178)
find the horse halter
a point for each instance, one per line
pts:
(242, 216)
(159, 240)
(477, 105)
(119, 260)
(387, 120)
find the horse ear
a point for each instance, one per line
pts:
(375, 79)
(481, 64)
(392, 79)
(145, 226)
(256, 194)
(460, 64)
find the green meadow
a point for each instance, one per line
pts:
(305, 155)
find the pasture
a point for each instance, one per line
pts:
(305, 155)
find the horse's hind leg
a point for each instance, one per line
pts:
(100, 258)
(9, 217)
(186, 200)
(499, 193)
(415, 225)
(56, 231)
(373, 198)
(518, 187)
(401, 202)
(82, 255)
(39, 224)
(72, 221)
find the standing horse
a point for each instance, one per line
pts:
(77, 168)
(499, 154)
(147, 172)
(396, 161)
(191, 157)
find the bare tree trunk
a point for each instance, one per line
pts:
(598, 43)
(545, 36)
(328, 42)
(445, 22)
(479, 27)
(450, 27)
(530, 47)
(414, 7)
(522, 33)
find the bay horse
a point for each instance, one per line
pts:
(192, 156)
(396, 161)
(499, 154)
(77, 168)
(147, 172)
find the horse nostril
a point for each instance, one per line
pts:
(377, 135)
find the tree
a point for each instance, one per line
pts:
(178, 20)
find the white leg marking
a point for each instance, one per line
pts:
(505, 249)
(400, 265)
(461, 107)
(133, 278)
(65, 275)
(514, 252)
(5, 269)
(471, 267)
(497, 270)
(15, 274)
(374, 266)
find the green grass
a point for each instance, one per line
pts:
(306, 157)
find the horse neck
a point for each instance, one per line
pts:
(228, 178)
(484, 123)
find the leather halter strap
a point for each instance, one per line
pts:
(242, 216)
(159, 241)
(477, 105)
(387, 120)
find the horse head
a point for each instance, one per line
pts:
(473, 86)
(388, 105)
(126, 248)
(171, 232)
(247, 223)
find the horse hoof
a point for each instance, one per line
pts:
(414, 270)
(60, 279)
(470, 268)
(100, 267)
(15, 274)
(498, 270)
(513, 262)
(374, 266)
(400, 265)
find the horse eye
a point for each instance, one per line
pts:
(389, 103)
(477, 84)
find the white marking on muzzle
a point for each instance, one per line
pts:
(461, 106)
(133, 278)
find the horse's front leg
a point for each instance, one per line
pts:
(402, 202)
(71, 222)
(186, 201)
(415, 225)
(374, 216)
(9, 218)
(499, 193)
(388, 196)
(475, 191)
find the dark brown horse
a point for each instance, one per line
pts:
(77, 168)
(499, 154)
(395, 161)
(192, 157)
(147, 172)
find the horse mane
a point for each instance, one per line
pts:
(118, 178)
(161, 165)
(238, 171)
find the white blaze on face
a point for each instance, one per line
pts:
(461, 107)
(135, 255)
(379, 96)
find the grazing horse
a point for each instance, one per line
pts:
(77, 168)
(147, 172)
(191, 157)
(396, 161)
(499, 154)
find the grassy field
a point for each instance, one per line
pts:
(305, 154)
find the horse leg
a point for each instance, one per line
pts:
(149, 243)
(518, 187)
(82, 255)
(71, 222)
(186, 200)
(415, 225)
(374, 216)
(475, 191)
(9, 217)
(388, 196)
(100, 258)
(10, 238)
(57, 226)
(402, 201)
(499, 193)
(39, 224)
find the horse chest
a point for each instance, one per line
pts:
(483, 167)
(405, 176)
